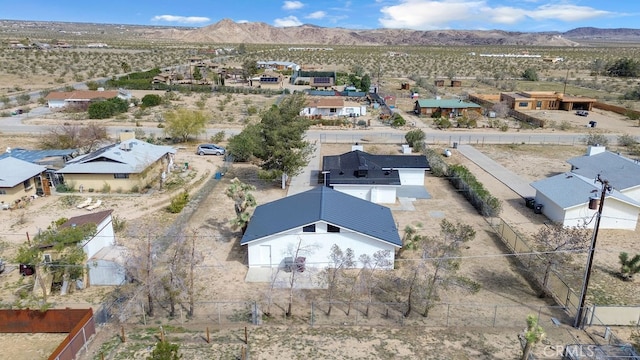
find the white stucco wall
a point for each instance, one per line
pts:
(316, 247)
(106, 273)
(345, 111)
(104, 237)
(615, 214)
(56, 104)
(411, 176)
(376, 194)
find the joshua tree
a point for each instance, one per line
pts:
(533, 334)
(243, 199)
(629, 266)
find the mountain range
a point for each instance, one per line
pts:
(228, 31)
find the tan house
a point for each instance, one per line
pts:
(60, 99)
(19, 180)
(545, 100)
(130, 165)
(445, 107)
(268, 80)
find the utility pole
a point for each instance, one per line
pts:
(578, 323)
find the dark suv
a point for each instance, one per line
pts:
(210, 149)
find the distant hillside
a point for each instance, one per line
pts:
(229, 32)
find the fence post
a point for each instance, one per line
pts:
(448, 307)
(495, 314)
(311, 320)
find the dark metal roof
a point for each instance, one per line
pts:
(355, 159)
(91, 218)
(41, 157)
(622, 173)
(370, 177)
(322, 204)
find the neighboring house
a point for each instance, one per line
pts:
(545, 100)
(268, 81)
(446, 107)
(375, 178)
(315, 79)
(165, 78)
(332, 106)
(278, 65)
(132, 164)
(60, 99)
(310, 223)
(18, 180)
(105, 261)
(52, 159)
(565, 200)
(622, 173)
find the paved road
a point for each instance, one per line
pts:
(514, 182)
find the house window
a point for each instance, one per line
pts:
(120, 176)
(27, 184)
(309, 228)
(332, 229)
(3, 192)
(332, 110)
(539, 104)
(523, 104)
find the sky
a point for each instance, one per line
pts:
(510, 15)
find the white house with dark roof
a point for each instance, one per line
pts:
(565, 200)
(18, 179)
(376, 178)
(127, 165)
(313, 221)
(105, 260)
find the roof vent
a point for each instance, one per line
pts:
(362, 171)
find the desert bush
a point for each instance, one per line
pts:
(178, 202)
(627, 140)
(150, 100)
(106, 188)
(218, 137)
(397, 120)
(64, 188)
(442, 122)
(594, 138)
(415, 138)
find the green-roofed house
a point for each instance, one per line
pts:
(446, 107)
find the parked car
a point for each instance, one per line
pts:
(582, 113)
(210, 149)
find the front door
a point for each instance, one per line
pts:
(265, 255)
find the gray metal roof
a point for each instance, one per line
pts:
(371, 177)
(130, 156)
(568, 190)
(622, 173)
(14, 171)
(53, 158)
(322, 204)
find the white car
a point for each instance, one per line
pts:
(210, 149)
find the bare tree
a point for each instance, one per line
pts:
(297, 252)
(141, 267)
(501, 109)
(440, 253)
(556, 242)
(86, 138)
(172, 279)
(193, 258)
(340, 261)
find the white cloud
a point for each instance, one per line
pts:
(292, 5)
(242, 21)
(287, 21)
(181, 19)
(439, 14)
(316, 15)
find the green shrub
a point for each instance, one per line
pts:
(415, 138)
(106, 188)
(64, 188)
(596, 139)
(397, 120)
(218, 137)
(150, 100)
(442, 123)
(627, 140)
(135, 189)
(178, 202)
